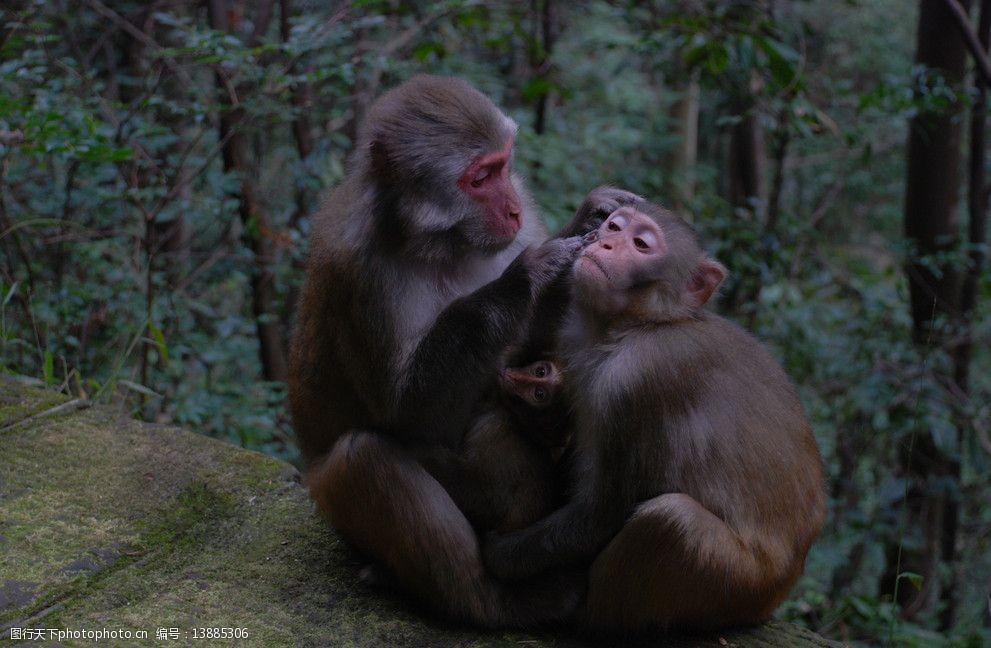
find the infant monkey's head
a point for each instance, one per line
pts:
(535, 397)
(537, 384)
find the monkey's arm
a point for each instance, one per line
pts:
(464, 482)
(458, 358)
(596, 207)
(541, 333)
(572, 534)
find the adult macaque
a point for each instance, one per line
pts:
(419, 277)
(683, 411)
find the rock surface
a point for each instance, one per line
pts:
(108, 524)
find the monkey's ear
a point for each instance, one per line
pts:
(703, 284)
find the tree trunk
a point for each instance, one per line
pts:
(684, 115)
(257, 226)
(977, 199)
(136, 65)
(746, 150)
(301, 128)
(933, 176)
(746, 163)
(931, 200)
(542, 42)
(781, 140)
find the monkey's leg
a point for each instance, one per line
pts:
(384, 502)
(676, 564)
(498, 480)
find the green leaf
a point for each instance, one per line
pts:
(10, 294)
(916, 579)
(863, 607)
(423, 51)
(141, 389)
(944, 436)
(536, 88)
(159, 339)
(48, 368)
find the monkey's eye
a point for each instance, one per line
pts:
(481, 177)
(616, 223)
(539, 394)
(646, 241)
(540, 371)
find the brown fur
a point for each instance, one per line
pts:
(506, 474)
(687, 414)
(417, 282)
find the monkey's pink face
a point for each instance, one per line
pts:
(487, 181)
(628, 251)
(641, 266)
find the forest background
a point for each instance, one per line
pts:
(160, 160)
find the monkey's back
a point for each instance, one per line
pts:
(716, 417)
(343, 337)
(777, 465)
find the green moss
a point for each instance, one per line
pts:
(18, 401)
(106, 522)
(197, 506)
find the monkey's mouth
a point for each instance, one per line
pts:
(598, 264)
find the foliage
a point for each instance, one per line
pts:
(126, 270)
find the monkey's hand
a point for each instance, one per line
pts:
(549, 261)
(598, 204)
(602, 201)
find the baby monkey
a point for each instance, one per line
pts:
(534, 398)
(696, 485)
(506, 475)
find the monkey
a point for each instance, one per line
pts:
(506, 474)
(518, 443)
(686, 413)
(534, 397)
(424, 266)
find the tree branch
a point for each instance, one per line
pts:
(970, 39)
(263, 16)
(140, 36)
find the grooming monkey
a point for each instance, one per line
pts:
(425, 264)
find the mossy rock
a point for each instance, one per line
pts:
(109, 524)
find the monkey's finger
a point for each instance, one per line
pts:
(624, 197)
(574, 244)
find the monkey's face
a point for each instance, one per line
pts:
(627, 254)
(440, 152)
(536, 384)
(534, 396)
(646, 265)
(488, 183)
